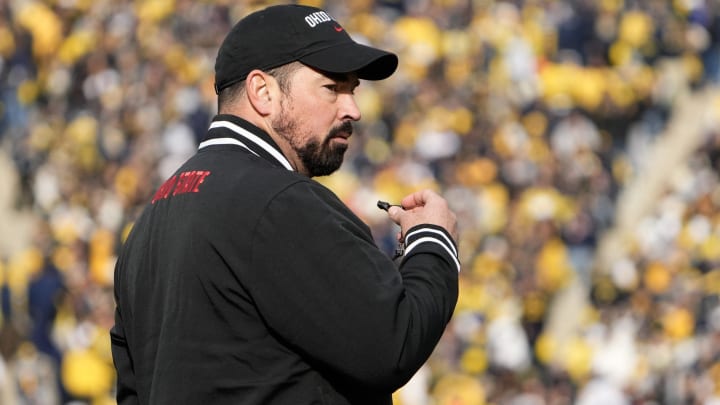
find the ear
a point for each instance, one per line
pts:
(260, 90)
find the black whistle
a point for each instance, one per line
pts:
(384, 205)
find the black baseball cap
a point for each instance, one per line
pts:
(281, 34)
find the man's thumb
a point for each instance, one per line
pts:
(395, 212)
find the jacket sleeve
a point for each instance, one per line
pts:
(324, 287)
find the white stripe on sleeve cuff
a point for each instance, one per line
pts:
(430, 235)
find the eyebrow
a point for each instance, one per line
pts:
(343, 77)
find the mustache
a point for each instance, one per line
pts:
(345, 127)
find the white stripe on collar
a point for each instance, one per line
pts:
(249, 136)
(225, 141)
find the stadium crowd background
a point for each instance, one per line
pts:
(577, 140)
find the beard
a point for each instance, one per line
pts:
(320, 158)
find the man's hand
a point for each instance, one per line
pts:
(424, 207)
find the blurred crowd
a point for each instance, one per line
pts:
(535, 118)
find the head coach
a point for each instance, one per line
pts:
(245, 281)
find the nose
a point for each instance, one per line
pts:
(349, 108)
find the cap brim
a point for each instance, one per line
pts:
(368, 62)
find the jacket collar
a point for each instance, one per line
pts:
(228, 129)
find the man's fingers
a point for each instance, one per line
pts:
(413, 200)
(418, 198)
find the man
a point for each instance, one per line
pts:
(244, 281)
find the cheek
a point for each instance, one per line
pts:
(314, 118)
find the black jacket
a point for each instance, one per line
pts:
(244, 282)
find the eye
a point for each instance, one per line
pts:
(341, 88)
